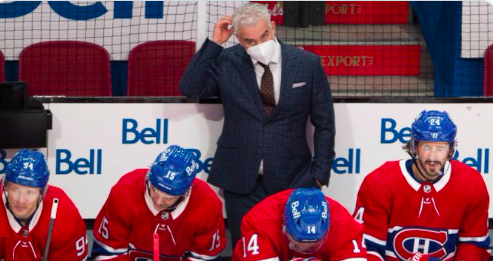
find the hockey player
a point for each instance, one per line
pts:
(299, 224)
(165, 200)
(429, 207)
(29, 204)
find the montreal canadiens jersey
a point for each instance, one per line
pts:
(262, 236)
(124, 227)
(447, 219)
(26, 243)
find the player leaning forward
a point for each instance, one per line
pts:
(299, 225)
(165, 200)
(37, 220)
(429, 207)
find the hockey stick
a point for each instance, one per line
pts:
(54, 208)
(156, 247)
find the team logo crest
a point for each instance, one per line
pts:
(427, 188)
(165, 215)
(411, 240)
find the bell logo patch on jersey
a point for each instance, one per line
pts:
(409, 241)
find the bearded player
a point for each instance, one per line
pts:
(429, 207)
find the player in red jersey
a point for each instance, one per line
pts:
(165, 199)
(28, 205)
(429, 207)
(299, 224)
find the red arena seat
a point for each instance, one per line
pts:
(155, 68)
(488, 72)
(2, 67)
(70, 68)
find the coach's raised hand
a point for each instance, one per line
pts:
(221, 32)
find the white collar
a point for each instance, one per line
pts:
(276, 57)
(416, 185)
(175, 213)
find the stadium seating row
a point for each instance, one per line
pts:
(488, 72)
(75, 68)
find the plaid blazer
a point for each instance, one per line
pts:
(248, 136)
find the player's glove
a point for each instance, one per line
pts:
(422, 257)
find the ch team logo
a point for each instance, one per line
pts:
(409, 241)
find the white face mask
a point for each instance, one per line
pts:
(262, 52)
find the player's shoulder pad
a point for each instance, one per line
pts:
(66, 209)
(64, 201)
(470, 180)
(467, 173)
(385, 173)
(270, 207)
(131, 181)
(203, 190)
(463, 169)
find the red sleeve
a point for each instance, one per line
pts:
(2, 247)
(210, 241)
(373, 213)
(470, 252)
(3, 234)
(474, 240)
(351, 250)
(111, 230)
(253, 244)
(69, 238)
(345, 235)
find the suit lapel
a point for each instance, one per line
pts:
(247, 72)
(288, 72)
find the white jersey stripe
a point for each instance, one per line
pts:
(393, 229)
(390, 253)
(202, 257)
(110, 249)
(374, 240)
(105, 257)
(473, 239)
(271, 259)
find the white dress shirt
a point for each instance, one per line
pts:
(275, 68)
